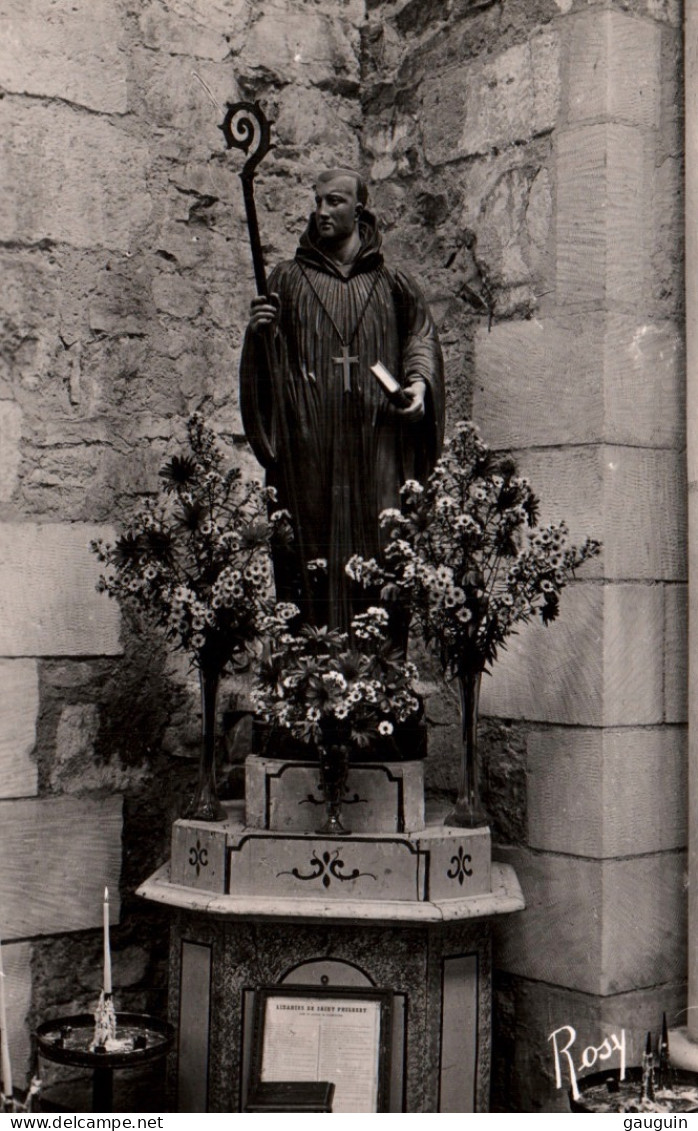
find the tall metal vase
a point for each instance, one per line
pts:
(205, 805)
(468, 812)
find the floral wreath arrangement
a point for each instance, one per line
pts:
(195, 560)
(334, 690)
(465, 555)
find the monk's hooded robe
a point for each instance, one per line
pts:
(349, 452)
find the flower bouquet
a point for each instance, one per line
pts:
(335, 692)
(466, 556)
(195, 560)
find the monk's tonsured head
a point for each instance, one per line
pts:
(340, 196)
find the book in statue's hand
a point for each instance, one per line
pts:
(393, 389)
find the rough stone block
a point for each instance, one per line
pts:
(59, 854)
(10, 437)
(42, 302)
(19, 706)
(513, 216)
(176, 98)
(70, 52)
(603, 927)
(69, 478)
(130, 966)
(313, 48)
(609, 378)
(49, 605)
(676, 653)
(386, 140)
(596, 665)
(308, 118)
(176, 295)
(75, 768)
(604, 793)
(614, 70)
(632, 499)
(504, 100)
(603, 222)
(665, 11)
(70, 177)
(121, 303)
(199, 28)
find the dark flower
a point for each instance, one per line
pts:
(350, 664)
(190, 516)
(178, 473)
(322, 639)
(550, 609)
(127, 550)
(158, 543)
(254, 534)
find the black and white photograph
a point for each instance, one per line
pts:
(348, 488)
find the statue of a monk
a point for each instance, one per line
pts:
(334, 311)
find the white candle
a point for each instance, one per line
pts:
(107, 948)
(4, 1039)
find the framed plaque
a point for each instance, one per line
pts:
(337, 1034)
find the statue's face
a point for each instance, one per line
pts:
(336, 207)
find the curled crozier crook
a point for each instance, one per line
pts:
(246, 127)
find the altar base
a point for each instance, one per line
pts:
(259, 902)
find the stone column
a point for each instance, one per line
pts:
(686, 1051)
(589, 392)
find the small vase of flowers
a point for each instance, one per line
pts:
(195, 561)
(336, 692)
(467, 558)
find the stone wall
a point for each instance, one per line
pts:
(524, 157)
(127, 278)
(543, 142)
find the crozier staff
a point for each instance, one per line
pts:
(334, 311)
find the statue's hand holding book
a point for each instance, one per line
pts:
(408, 400)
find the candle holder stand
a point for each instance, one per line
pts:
(71, 1040)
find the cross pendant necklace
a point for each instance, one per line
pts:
(347, 359)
